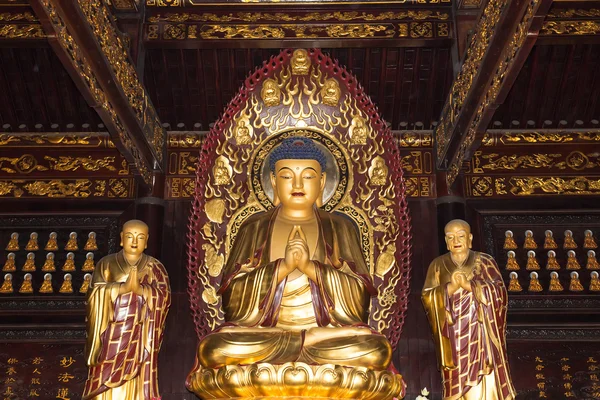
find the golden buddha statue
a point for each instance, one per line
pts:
(511, 262)
(594, 282)
(88, 265)
(575, 285)
(555, 285)
(52, 244)
(513, 284)
(572, 262)
(29, 265)
(129, 297)
(87, 279)
(69, 265)
(7, 285)
(532, 262)
(378, 172)
(72, 243)
(592, 262)
(26, 286)
(509, 241)
(552, 264)
(529, 241)
(270, 93)
(221, 173)
(569, 241)
(32, 244)
(358, 131)
(534, 283)
(47, 284)
(300, 62)
(331, 92)
(242, 133)
(461, 286)
(90, 244)
(286, 270)
(9, 264)
(549, 242)
(589, 242)
(67, 285)
(13, 243)
(49, 263)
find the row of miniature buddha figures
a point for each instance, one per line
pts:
(555, 284)
(46, 287)
(52, 243)
(49, 265)
(552, 264)
(549, 243)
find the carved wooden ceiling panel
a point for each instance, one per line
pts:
(557, 83)
(190, 87)
(37, 92)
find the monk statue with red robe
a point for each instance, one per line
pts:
(466, 300)
(127, 305)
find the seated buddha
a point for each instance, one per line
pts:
(295, 287)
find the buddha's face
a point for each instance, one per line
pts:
(458, 237)
(134, 238)
(298, 183)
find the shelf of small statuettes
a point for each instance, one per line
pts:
(551, 267)
(48, 265)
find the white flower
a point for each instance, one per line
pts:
(421, 398)
(425, 392)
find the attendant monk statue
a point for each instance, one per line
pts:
(295, 287)
(466, 301)
(127, 304)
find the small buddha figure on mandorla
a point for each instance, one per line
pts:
(295, 287)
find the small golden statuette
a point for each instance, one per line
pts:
(532, 262)
(509, 241)
(358, 132)
(9, 264)
(26, 286)
(300, 62)
(32, 244)
(72, 243)
(549, 242)
(514, 285)
(49, 263)
(67, 285)
(552, 264)
(13, 243)
(69, 265)
(7, 286)
(572, 262)
(529, 240)
(47, 284)
(592, 262)
(222, 171)
(511, 263)
(88, 265)
(575, 285)
(555, 285)
(331, 92)
(270, 93)
(52, 244)
(589, 242)
(87, 278)
(378, 171)
(243, 132)
(91, 245)
(534, 283)
(594, 282)
(29, 265)
(569, 241)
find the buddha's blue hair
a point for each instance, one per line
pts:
(297, 148)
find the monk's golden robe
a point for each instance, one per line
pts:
(469, 327)
(296, 319)
(125, 331)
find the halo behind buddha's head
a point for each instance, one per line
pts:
(302, 148)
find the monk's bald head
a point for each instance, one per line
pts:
(134, 237)
(135, 225)
(457, 224)
(458, 236)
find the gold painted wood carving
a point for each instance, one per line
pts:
(22, 31)
(570, 28)
(554, 136)
(68, 188)
(519, 186)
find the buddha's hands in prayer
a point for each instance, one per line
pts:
(297, 255)
(458, 280)
(132, 283)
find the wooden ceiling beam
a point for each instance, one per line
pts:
(506, 33)
(84, 36)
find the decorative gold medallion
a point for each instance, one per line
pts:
(300, 62)
(243, 132)
(209, 295)
(358, 131)
(222, 171)
(270, 93)
(215, 209)
(213, 261)
(378, 171)
(331, 92)
(386, 260)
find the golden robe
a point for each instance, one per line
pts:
(296, 319)
(469, 327)
(125, 331)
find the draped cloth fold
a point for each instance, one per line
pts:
(125, 331)
(469, 328)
